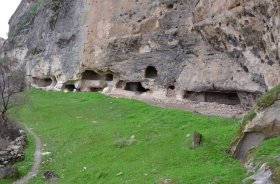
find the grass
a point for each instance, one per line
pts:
(88, 135)
(269, 149)
(268, 152)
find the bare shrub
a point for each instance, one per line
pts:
(12, 131)
(12, 83)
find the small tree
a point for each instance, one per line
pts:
(12, 77)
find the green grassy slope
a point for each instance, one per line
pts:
(88, 134)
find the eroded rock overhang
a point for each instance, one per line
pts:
(224, 52)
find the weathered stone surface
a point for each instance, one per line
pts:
(4, 153)
(266, 122)
(8, 172)
(2, 40)
(195, 46)
(50, 176)
(264, 125)
(262, 176)
(14, 152)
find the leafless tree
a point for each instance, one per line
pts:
(12, 80)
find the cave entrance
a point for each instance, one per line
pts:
(218, 97)
(96, 89)
(42, 82)
(151, 72)
(109, 77)
(195, 96)
(222, 98)
(91, 75)
(70, 87)
(171, 87)
(120, 84)
(135, 86)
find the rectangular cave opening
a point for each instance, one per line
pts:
(42, 82)
(222, 98)
(109, 77)
(135, 86)
(91, 75)
(194, 96)
(96, 89)
(227, 98)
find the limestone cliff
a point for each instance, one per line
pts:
(224, 51)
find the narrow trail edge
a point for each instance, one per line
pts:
(37, 158)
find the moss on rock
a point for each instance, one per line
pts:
(268, 98)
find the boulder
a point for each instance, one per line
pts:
(266, 122)
(50, 176)
(196, 139)
(9, 171)
(262, 176)
(262, 123)
(14, 152)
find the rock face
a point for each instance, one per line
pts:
(9, 172)
(2, 40)
(262, 123)
(14, 152)
(206, 50)
(262, 175)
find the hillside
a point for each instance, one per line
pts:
(209, 57)
(224, 51)
(88, 136)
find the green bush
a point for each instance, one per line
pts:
(4, 59)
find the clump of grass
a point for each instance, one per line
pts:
(269, 152)
(120, 143)
(250, 181)
(166, 181)
(268, 98)
(249, 117)
(4, 59)
(101, 174)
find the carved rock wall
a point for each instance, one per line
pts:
(194, 45)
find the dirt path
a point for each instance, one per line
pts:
(205, 108)
(37, 159)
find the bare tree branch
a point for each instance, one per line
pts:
(12, 83)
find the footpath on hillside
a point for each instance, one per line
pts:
(37, 159)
